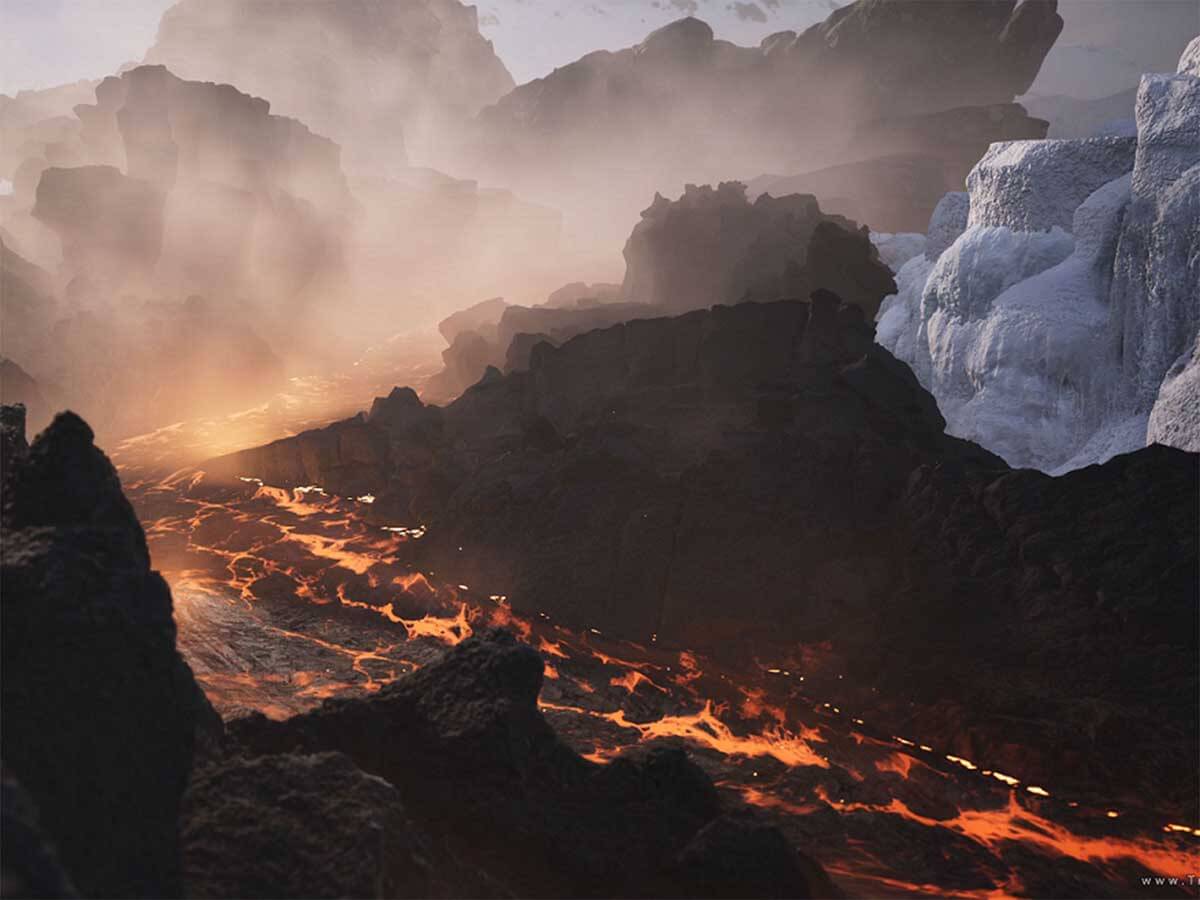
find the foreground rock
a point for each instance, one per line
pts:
(512, 811)
(100, 712)
(299, 826)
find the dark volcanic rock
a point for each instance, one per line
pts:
(298, 826)
(100, 712)
(30, 867)
(448, 782)
(747, 479)
(713, 246)
(480, 769)
(1094, 576)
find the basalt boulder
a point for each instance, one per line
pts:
(299, 826)
(510, 810)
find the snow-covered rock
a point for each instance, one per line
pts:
(1175, 418)
(897, 249)
(948, 221)
(1189, 61)
(1060, 327)
(1036, 185)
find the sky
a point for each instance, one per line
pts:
(1106, 42)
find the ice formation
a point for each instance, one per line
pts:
(1054, 313)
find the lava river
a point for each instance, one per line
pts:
(286, 597)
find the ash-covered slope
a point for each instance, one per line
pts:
(1059, 326)
(105, 728)
(878, 78)
(761, 476)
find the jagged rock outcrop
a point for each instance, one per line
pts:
(296, 826)
(379, 77)
(636, 404)
(1052, 347)
(512, 811)
(634, 479)
(896, 78)
(100, 712)
(714, 246)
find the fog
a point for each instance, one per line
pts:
(242, 193)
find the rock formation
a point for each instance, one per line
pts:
(378, 76)
(714, 246)
(636, 477)
(897, 78)
(100, 712)
(495, 334)
(1062, 314)
(289, 826)
(512, 811)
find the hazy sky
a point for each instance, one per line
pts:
(1106, 42)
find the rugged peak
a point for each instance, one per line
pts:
(65, 480)
(679, 40)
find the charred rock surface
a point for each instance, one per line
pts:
(31, 867)
(299, 826)
(478, 766)
(765, 476)
(100, 712)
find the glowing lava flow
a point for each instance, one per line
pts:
(285, 598)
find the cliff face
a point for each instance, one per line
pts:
(1057, 324)
(935, 80)
(379, 76)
